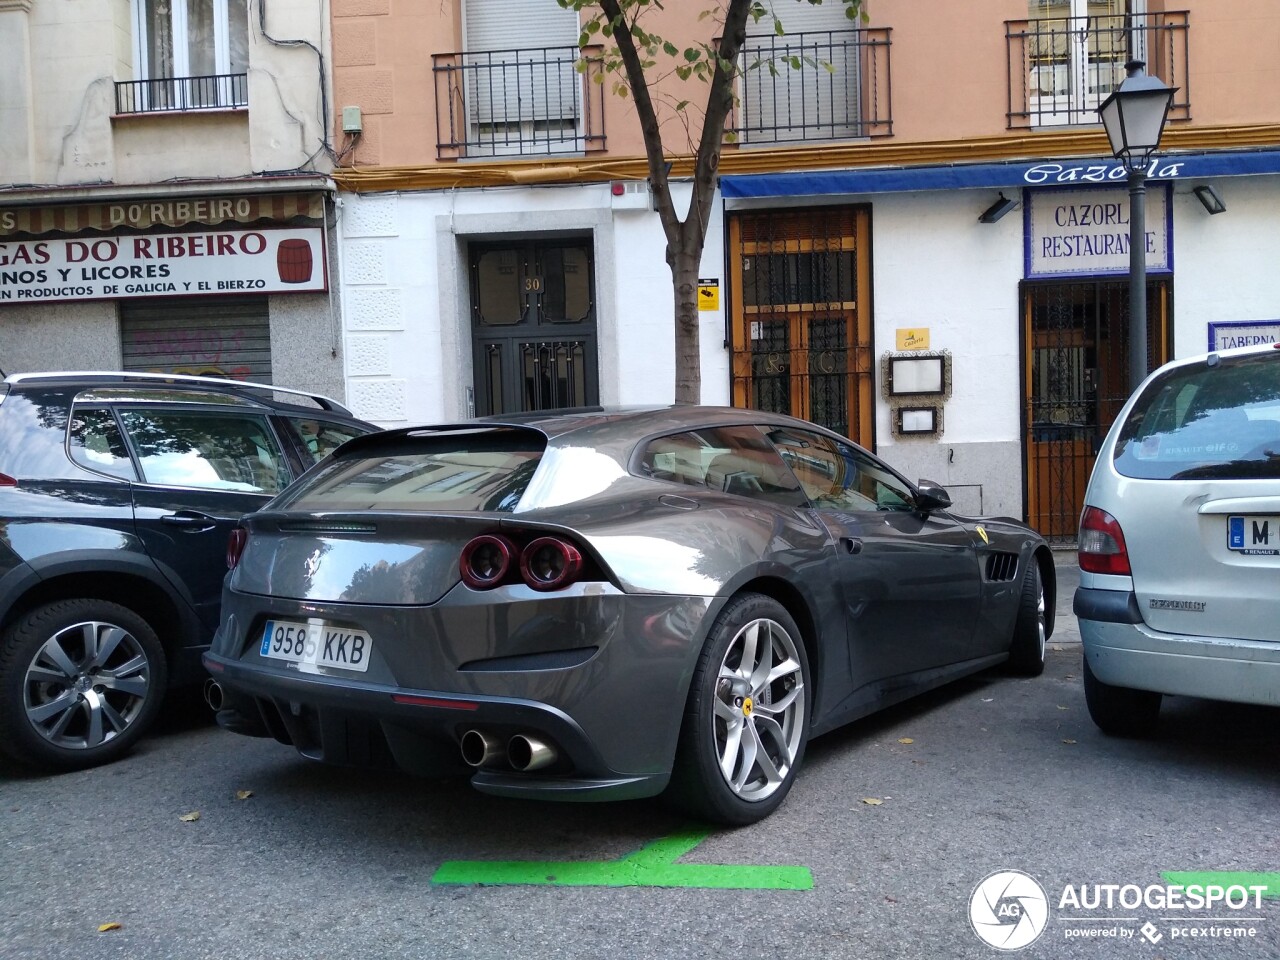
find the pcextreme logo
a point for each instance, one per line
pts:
(1010, 909)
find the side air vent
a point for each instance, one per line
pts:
(320, 526)
(1001, 567)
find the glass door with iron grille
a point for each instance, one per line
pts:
(1076, 381)
(533, 325)
(800, 318)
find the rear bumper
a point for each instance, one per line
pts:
(419, 733)
(1129, 654)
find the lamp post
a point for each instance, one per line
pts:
(1134, 117)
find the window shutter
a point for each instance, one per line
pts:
(516, 79)
(809, 103)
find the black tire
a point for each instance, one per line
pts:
(725, 697)
(1031, 629)
(80, 682)
(1120, 711)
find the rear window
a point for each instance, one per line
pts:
(1202, 421)
(486, 470)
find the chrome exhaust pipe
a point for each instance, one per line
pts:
(529, 753)
(479, 750)
(213, 695)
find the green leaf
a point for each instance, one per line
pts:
(593, 27)
(684, 72)
(692, 54)
(830, 68)
(682, 105)
(669, 48)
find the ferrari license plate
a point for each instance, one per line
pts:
(1257, 535)
(317, 643)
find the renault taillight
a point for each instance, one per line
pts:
(1102, 548)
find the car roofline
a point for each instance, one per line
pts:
(109, 376)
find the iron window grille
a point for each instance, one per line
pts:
(1060, 69)
(224, 91)
(519, 102)
(818, 85)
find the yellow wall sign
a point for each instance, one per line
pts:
(708, 294)
(913, 338)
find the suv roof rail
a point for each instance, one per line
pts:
(325, 403)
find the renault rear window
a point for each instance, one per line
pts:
(467, 470)
(1219, 421)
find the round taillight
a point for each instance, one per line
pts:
(486, 560)
(235, 546)
(549, 564)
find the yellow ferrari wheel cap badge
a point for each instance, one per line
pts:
(746, 706)
(982, 533)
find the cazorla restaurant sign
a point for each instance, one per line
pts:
(1075, 232)
(212, 261)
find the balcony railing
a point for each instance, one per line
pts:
(821, 85)
(1062, 68)
(224, 91)
(518, 102)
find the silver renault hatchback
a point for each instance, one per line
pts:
(1180, 542)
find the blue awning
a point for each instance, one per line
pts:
(970, 176)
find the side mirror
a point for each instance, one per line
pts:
(931, 496)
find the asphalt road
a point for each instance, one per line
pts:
(1000, 774)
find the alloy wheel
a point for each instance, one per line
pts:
(759, 710)
(86, 684)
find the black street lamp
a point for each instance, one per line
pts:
(1134, 117)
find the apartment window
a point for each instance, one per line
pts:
(1077, 52)
(190, 54)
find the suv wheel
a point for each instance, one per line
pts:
(80, 681)
(1120, 711)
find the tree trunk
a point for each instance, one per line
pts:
(684, 274)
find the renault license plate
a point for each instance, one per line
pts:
(1256, 535)
(317, 643)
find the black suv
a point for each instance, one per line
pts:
(118, 493)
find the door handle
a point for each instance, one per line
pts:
(190, 520)
(851, 545)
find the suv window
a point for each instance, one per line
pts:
(838, 476)
(1201, 421)
(737, 460)
(208, 450)
(94, 441)
(321, 437)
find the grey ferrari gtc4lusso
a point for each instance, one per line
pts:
(611, 604)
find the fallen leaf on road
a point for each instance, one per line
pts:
(906, 740)
(1063, 708)
(872, 801)
(1068, 741)
(1068, 676)
(104, 927)
(988, 699)
(246, 794)
(191, 817)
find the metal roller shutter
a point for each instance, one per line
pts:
(215, 336)
(518, 82)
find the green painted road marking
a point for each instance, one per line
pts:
(1228, 879)
(652, 866)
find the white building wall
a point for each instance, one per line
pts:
(408, 333)
(1225, 266)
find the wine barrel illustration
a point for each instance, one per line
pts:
(293, 261)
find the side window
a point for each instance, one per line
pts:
(321, 437)
(838, 476)
(94, 441)
(737, 460)
(207, 450)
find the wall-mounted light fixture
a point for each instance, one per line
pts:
(1209, 198)
(997, 209)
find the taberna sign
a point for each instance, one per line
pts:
(163, 265)
(1086, 232)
